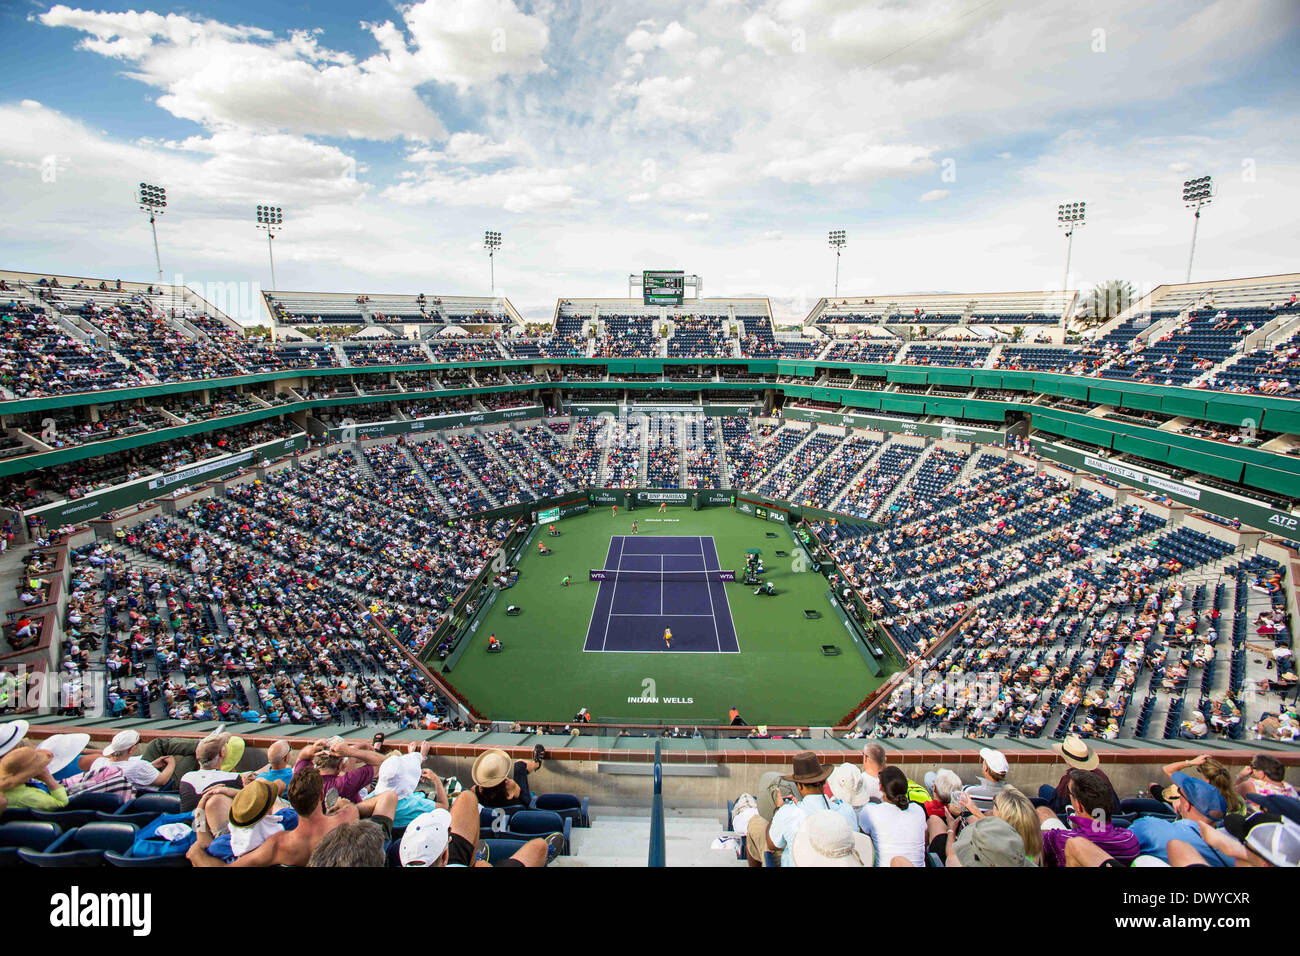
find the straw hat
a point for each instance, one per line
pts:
(1077, 753)
(20, 765)
(252, 803)
(491, 767)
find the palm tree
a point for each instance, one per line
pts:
(1109, 299)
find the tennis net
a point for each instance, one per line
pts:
(665, 577)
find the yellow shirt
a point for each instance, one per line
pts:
(34, 798)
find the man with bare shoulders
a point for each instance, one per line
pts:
(306, 794)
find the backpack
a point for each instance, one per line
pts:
(148, 843)
(108, 779)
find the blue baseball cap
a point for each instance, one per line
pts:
(1202, 795)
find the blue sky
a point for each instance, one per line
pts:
(722, 137)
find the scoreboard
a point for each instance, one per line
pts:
(663, 288)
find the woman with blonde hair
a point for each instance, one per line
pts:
(1014, 807)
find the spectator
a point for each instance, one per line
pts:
(502, 782)
(140, 773)
(332, 759)
(990, 841)
(277, 769)
(808, 775)
(1091, 800)
(1077, 756)
(1195, 802)
(1263, 776)
(210, 754)
(993, 774)
(294, 847)
(22, 767)
(897, 825)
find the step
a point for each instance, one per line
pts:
(621, 837)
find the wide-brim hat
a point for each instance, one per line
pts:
(808, 769)
(825, 839)
(1074, 751)
(491, 768)
(20, 765)
(991, 841)
(12, 734)
(64, 748)
(847, 785)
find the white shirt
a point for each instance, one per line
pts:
(895, 832)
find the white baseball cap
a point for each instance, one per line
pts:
(123, 741)
(996, 759)
(426, 838)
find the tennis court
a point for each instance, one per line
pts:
(649, 583)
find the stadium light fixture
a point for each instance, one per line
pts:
(270, 218)
(1069, 216)
(153, 200)
(838, 239)
(1196, 193)
(492, 242)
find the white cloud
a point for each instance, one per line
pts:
(697, 217)
(934, 195)
(773, 235)
(519, 189)
(664, 99)
(466, 148)
(846, 158)
(220, 75)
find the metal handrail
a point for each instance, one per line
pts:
(658, 853)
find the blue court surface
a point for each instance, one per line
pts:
(630, 615)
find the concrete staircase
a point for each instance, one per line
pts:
(620, 836)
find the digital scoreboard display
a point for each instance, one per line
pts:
(663, 288)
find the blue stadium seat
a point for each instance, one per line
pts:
(24, 834)
(83, 846)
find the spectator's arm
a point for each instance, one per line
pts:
(1224, 843)
(364, 754)
(166, 767)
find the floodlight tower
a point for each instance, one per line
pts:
(492, 242)
(1196, 193)
(270, 218)
(153, 200)
(838, 240)
(1069, 216)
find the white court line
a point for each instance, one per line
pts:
(614, 593)
(592, 617)
(629, 614)
(709, 587)
(661, 585)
